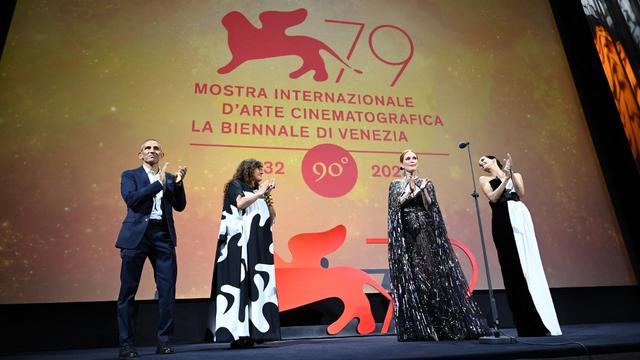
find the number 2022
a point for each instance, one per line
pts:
(385, 170)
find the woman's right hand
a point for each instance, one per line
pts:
(266, 187)
(508, 163)
(271, 184)
(412, 183)
(263, 188)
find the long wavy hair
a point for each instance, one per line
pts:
(494, 158)
(244, 173)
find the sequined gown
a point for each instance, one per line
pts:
(428, 286)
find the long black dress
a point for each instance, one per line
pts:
(524, 280)
(243, 291)
(428, 286)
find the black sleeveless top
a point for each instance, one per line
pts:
(506, 194)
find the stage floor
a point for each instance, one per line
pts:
(596, 341)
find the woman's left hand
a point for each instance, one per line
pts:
(422, 183)
(508, 163)
(272, 185)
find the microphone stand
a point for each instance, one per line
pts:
(497, 338)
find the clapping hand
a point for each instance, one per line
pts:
(508, 163)
(266, 187)
(271, 184)
(412, 182)
(182, 172)
(162, 174)
(422, 184)
(508, 166)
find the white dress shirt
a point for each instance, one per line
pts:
(156, 211)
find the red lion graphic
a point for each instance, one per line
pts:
(303, 281)
(246, 42)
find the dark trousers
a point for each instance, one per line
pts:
(157, 246)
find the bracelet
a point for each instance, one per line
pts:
(268, 199)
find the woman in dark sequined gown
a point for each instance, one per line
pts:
(514, 236)
(428, 286)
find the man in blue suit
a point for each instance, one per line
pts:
(151, 195)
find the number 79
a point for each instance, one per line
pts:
(402, 63)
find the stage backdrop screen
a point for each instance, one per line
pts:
(325, 93)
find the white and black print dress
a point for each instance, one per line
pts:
(243, 291)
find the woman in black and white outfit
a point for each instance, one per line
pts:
(515, 240)
(244, 303)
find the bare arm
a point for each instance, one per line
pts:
(518, 184)
(269, 200)
(244, 202)
(516, 178)
(272, 214)
(492, 195)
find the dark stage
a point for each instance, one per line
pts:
(587, 341)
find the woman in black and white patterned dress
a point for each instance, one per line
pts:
(244, 304)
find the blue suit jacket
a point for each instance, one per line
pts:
(138, 194)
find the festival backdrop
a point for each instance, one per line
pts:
(326, 93)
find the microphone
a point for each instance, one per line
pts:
(463, 144)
